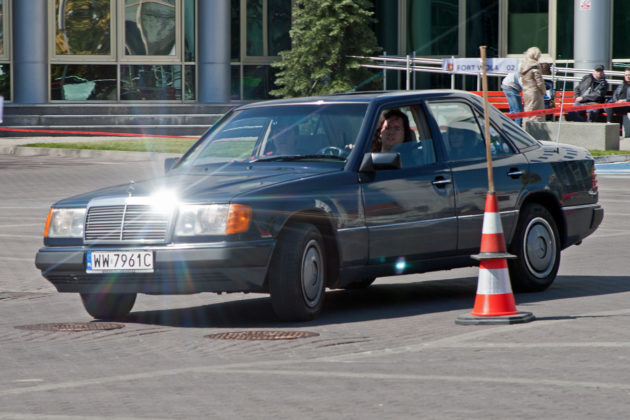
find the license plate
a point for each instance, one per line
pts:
(119, 261)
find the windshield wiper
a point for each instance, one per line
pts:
(295, 157)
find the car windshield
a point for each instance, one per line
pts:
(281, 133)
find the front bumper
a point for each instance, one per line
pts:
(178, 269)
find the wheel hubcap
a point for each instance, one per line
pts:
(312, 273)
(540, 247)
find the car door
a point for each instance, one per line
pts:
(410, 212)
(462, 135)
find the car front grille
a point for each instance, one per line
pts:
(126, 223)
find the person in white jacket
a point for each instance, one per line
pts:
(511, 87)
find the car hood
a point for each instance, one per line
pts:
(220, 186)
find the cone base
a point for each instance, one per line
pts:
(519, 318)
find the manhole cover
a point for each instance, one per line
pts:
(73, 326)
(262, 335)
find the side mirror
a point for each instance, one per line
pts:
(169, 163)
(379, 161)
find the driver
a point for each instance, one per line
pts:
(393, 129)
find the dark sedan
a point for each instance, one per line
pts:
(291, 197)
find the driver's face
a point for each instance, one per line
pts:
(392, 133)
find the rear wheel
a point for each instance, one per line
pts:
(108, 306)
(297, 276)
(537, 248)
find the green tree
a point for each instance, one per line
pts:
(325, 35)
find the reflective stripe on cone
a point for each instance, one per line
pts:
(494, 293)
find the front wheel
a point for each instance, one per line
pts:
(537, 248)
(297, 276)
(108, 306)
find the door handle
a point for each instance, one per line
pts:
(441, 182)
(515, 172)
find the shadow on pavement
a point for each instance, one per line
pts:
(376, 302)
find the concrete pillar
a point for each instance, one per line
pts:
(592, 33)
(30, 52)
(213, 66)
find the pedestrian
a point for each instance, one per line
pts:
(511, 87)
(591, 90)
(533, 84)
(620, 95)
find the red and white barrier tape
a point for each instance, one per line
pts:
(566, 109)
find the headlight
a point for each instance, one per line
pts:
(212, 219)
(65, 223)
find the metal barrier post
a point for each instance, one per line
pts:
(452, 73)
(407, 71)
(413, 75)
(384, 71)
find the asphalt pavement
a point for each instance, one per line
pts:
(391, 351)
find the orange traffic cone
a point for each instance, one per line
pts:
(494, 303)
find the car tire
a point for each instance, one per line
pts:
(537, 248)
(108, 306)
(297, 276)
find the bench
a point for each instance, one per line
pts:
(561, 100)
(496, 98)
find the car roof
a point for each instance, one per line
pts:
(363, 97)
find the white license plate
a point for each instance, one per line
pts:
(119, 261)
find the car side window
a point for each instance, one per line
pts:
(415, 148)
(460, 131)
(498, 145)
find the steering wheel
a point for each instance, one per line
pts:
(331, 151)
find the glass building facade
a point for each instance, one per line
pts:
(149, 50)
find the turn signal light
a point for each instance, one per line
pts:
(238, 219)
(47, 225)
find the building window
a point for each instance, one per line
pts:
(151, 82)
(150, 27)
(279, 16)
(262, 26)
(432, 27)
(255, 36)
(528, 25)
(5, 56)
(2, 27)
(482, 27)
(153, 57)
(190, 29)
(621, 22)
(5, 81)
(83, 27)
(564, 30)
(81, 82)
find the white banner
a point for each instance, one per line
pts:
(473, 65)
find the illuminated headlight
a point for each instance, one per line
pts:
(65, 223)
(212, 219)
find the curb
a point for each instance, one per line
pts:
(611, 158)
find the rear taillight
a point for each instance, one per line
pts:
(593, 179)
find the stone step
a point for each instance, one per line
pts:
(114, 120)
(151, 119)
(115, 109)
